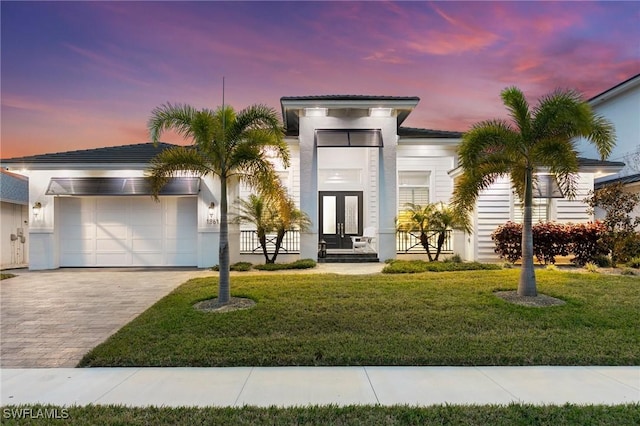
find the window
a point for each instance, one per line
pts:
(540, 211)
(414, 188)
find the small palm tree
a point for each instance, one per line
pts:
(226, 144)
(431, 220)
(272, 214)
(445, 218)
(542, 137)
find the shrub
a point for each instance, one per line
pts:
(586, 241)
(551, 268)
(454, 259)
(508, 241)
(298, 264)
(591, 267)
(628, 271)
(415, 266)
(602, 261)
(239, 266)
(551, 239)
(634, 263)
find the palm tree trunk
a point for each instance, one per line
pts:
(279, 238)
(224, 285)
(441, 237)
(424, 239)
(263, 243)
(527, 284)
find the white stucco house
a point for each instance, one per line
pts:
(353, 166)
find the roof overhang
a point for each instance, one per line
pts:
(293, 107)
(120, 186)
(615, 90)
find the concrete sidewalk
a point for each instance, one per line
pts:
(300, 386)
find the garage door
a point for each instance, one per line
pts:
(128, 231)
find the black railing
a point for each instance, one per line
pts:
(409, 242)
(250, 244)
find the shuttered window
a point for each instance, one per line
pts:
(414, 188)
(540, 211)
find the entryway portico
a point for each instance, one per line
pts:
(347, 152)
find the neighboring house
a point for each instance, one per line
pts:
(631, 183)
(621, 105)
(353, 166)
(14, 200)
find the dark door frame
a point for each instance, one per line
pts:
(340, 239)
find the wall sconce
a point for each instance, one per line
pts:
(211, 219)
(37, 209)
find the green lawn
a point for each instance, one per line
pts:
(495, 415)
(448, 318)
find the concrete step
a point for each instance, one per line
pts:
(350, 258)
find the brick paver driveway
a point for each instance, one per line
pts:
(52, 318)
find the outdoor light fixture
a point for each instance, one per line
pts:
(380, 112)
(37, 208)
(315, 112)
(212, 210)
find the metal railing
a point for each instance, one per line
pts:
(250, 244)
(409, 242)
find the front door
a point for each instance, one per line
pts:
(340, 217)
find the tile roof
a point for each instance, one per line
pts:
(414, 132)
(14, 188)
(590, 162)
(131, 154)
(624, 180)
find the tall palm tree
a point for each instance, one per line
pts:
(226, 144)
(534, 139)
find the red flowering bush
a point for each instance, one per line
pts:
(588, 242)
(551, 239)
(508, 240)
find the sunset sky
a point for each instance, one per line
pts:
(79, 75)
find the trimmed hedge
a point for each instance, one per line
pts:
(416, 266)
(551, 239)
(298, 264)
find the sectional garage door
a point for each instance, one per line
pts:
(127, 231)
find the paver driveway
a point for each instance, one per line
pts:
(52, 318)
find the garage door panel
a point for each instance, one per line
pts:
(107, 231)
(128, 231)
(147, 245)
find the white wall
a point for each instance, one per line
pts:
(623, 110)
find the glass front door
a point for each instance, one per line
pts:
(340, 217)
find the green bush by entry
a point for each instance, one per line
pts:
(239, 266)
(416, 266)
(298, 264)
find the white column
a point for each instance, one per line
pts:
(308, 189)
(387, 196)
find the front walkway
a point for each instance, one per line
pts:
(299, 386)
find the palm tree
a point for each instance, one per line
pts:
(542, 137)
(272, 214)
(431, 220)
(445, 218)
(225, 144)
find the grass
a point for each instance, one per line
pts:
(448, 318)
(6, 276)
(513, 414)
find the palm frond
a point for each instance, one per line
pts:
(492, 139)
(602, 135)
(518, 107)
(175, 161)
(171, 116)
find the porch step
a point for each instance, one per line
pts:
(350, 258)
